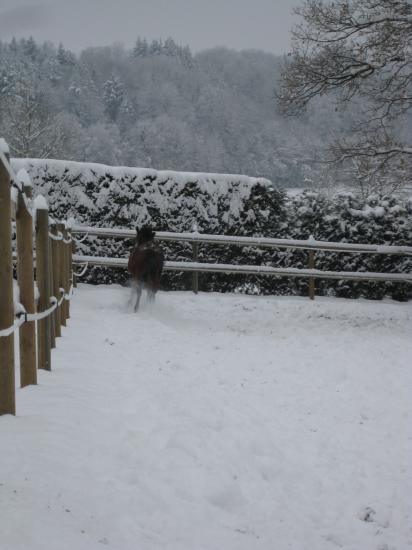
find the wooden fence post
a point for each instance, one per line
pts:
(311, 265)
(68, 266)
(43, 283)
(56, 280)
(7, 381)
(62, 271)
(195, 276)
(70, 248)
(25, 277)
(73, 251)
(195, 246)
(51, 279)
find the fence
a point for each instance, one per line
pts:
(38, 324)
(54, 273)
(311, 245)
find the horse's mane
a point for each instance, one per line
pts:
(145, 234)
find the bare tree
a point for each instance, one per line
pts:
(33, 129)
(357, 49)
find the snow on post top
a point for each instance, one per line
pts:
(4, 148)
(40, 203)
(70, 223)
(24, 178)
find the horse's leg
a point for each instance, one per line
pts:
(138, 294)
(151, 294)
(132, 292)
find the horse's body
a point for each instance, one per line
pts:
(145, 264)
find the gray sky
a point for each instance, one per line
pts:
(238, 24)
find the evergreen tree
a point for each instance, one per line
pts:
(141, 48)
(65, 57)
(113, 96)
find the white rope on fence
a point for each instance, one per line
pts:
(24, 317)
(58, 237)
(83, 271)
(29, 317)
(9, 331)
(61, 290)
(79, 241)
(67, 296)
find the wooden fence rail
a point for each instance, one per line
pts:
(311, 245)
(264, 242)
(38, 325)
(253, 270)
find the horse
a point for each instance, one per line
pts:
(145, 264)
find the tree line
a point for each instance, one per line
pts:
(159, 105)
(336, 112)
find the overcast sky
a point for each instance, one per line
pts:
(238, 24)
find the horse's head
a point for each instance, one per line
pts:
(144, 235)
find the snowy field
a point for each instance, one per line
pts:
(215, 422)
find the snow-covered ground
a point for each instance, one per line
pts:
(215, 422)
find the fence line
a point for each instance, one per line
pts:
(195, 267)
(54, 272)
(253, 270)
(265, 242)
(53, 279)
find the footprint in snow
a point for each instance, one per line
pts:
(366, 514)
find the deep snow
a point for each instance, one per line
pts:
(215, 422)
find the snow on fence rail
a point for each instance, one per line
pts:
(53, 244)
(266, 242)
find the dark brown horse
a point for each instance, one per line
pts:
(145, 264)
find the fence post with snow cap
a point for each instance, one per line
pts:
(7, 381)
(67, 244)
(71, 223)
(25, 277)
(70, 271)
(52, 223)
(195, 275)
(43, 282)
(19, 313)
(62, 272)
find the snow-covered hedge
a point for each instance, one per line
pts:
(231, 205)
(347, 218)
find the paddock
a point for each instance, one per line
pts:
(215, 421)
(206, 421)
